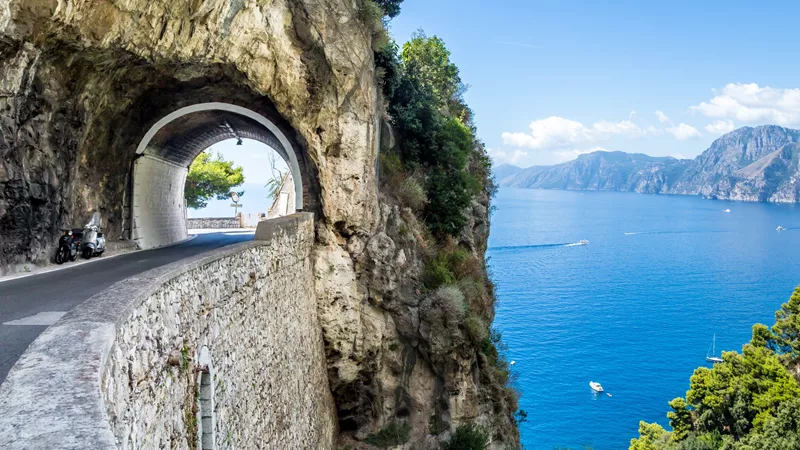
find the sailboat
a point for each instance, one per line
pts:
(711, 356)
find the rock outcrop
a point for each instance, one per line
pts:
(81, 81)
(749, 164)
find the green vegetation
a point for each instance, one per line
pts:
(436, 136)
(210, 178)
(751, 401)
(441, 172)
(391, 435)
(468, 437)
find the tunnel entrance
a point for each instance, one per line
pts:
(157, 208)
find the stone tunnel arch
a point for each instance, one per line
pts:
(168, 148)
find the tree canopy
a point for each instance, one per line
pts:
(211, 177)
(434, 129)
(750, 401)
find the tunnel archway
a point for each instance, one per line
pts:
(158, 213)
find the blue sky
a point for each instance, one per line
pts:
(552, 79)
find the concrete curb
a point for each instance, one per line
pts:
(51, 398)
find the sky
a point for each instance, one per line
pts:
(550, 80)
(254, 158)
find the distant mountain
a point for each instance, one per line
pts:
(504, 171)
(750, 164)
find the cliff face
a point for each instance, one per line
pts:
(82, 80)
(749, 164)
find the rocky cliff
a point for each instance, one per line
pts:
(82, 80)
(749, 164)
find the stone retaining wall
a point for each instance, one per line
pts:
(214, 222)
(122, 369)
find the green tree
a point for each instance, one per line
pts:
(209, 178)
(390, 7)
(652, 436)
(784, 337)
(680, 419)
(429, 59)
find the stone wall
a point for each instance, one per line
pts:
(214, 222)
(122, 369)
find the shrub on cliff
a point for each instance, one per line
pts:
(468, 437)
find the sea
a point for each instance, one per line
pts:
(635, 309)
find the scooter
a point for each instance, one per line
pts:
(93, 242)
(68, 246)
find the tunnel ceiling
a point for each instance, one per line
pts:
(184, 138)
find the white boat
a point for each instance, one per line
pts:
(583, 242)
(780, 228)
(726, 210)
(595, 386)
(711, 355)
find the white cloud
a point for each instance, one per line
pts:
(558, 132)
(752, 103)
(683, 132)
(569, 155)
(720, 127)
(663, 118)
(507, 157)
(678, 156)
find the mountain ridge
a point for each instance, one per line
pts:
(748, 164)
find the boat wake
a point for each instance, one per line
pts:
(521, 247)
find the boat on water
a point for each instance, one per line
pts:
(780, 228)
(726, 210)
(711, 355)
(583, 242)
(595, 386)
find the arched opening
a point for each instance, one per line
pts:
(158, 212)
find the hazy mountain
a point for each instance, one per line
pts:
(751, 163)
(504, 171)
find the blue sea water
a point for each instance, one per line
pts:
(636, 308)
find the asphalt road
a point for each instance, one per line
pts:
(44, 297)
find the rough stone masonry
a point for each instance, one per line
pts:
(123, 370)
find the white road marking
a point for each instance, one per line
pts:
(45, 318)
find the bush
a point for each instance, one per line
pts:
(437, 272)
(391, 435)
(476, 329)
(451, 302)
(411, 194)
(468, 437)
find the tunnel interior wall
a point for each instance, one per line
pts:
(159, 213)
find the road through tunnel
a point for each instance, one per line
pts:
(157, 210)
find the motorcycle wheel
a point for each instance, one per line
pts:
(59, 257)
(73, 256)
(87, 253)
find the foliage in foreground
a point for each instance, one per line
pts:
(211, 177)
(751, 401)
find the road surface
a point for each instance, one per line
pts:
(29, 305)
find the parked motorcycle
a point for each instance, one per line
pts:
(68, 246)
(93, 242)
